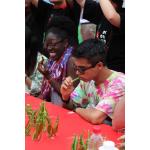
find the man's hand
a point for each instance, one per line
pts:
(66, 88)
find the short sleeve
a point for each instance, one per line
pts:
(114, 93)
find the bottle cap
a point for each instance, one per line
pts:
(108, 145)
(96, 129)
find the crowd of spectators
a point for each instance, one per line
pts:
(59, 48)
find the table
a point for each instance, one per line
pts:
(70, 124)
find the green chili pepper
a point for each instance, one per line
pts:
(88, 140)
(40, 120)
(27, 128)
(55, 128)
(75, 143)
(50, 130)
(38, 131)
(49, 127)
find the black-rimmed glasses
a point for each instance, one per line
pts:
(54, 44)
(82, 69)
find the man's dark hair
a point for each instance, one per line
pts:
(92, 50)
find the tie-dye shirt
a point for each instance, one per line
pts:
(103, 97)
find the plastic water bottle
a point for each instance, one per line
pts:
(108, 145)
(96, 139)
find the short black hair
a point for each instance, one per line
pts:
(64, 27)
(93, 50)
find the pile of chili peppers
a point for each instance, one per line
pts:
(80, 143)
(39, 122)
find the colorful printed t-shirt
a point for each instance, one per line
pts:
(103, 97)
(58, 71)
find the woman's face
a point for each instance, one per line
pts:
(55, 45)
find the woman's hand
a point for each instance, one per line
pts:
(42, 69)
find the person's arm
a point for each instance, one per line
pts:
(66, 88)
(81, 3)
(92, 115)
(55, 84)
(118, 121)
(71, 71)
(92, 12)
(35, 2)
(110, 12)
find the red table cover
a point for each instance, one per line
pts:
(70, 124)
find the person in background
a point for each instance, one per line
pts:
(100, 88)
(59, 43)
(87, 29)
(68, 8)
(33, 78)
(37, 13)
(109, 16)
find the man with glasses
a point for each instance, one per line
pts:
(100, 88)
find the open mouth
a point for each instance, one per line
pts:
(52, 54)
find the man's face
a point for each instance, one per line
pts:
(85, 70)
